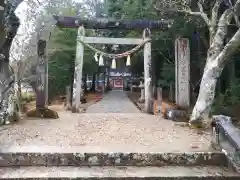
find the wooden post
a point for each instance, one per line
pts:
(41, 109)
(148, 74)
(77, 84)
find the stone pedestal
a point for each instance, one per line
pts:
(182, 72)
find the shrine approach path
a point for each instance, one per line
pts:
(112, 124)
(114, 102)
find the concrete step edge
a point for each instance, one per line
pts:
(76, 157)
(178, 172)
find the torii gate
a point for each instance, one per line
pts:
(181, 57)
(73, 22)
(81, 40)
(112, 24)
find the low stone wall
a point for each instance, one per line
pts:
(226, 137)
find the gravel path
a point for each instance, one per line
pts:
(106, 131)
(114, 102)
(112, 124)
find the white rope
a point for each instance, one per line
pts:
(116, 56)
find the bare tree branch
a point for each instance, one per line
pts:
(236, 17)
(203, 14)
(229, 49)
(214, 18)
(182, 8)
(217, 43)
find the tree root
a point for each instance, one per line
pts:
(192, 126)
(42, 113)
(15, 117)
(200, 124)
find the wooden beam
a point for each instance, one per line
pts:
(105, 40)
(75, 22)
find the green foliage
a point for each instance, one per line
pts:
(63, 42)
(231, 96)
(225, 102)
(137, 64)
(62, 51)
(167, 75)
(163, 41)
(28, 97)
(60, 71)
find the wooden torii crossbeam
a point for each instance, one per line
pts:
(102, 23)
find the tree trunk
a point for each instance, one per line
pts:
(2, 33)
(206, 93)
(8, 111)
(212, 71)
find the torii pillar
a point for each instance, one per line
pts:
(77, 83)
(148, 85)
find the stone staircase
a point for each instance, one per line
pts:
(29, 163)
(89, 163)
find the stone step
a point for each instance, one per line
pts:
(120, 173)
(29, 156)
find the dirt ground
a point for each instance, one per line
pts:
(106, 131)
(58, 104)
(113, 132)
